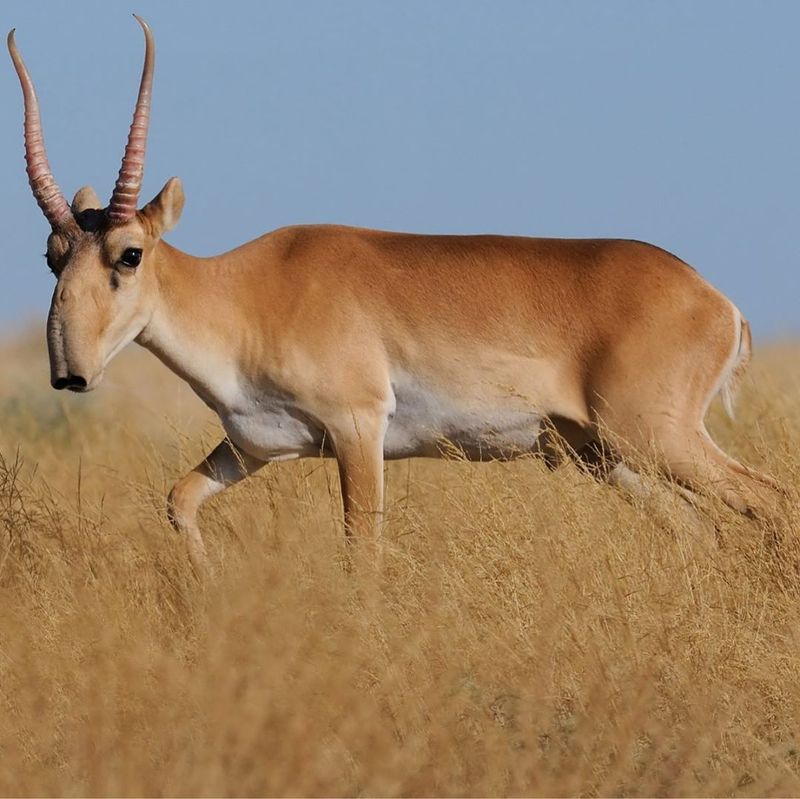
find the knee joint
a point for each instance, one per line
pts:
(181, 506)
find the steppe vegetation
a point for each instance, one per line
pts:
(534, 633)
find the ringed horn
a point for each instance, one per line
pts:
(126, 191)
(45, 189)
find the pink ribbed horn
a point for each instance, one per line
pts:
(45, 189)
(129, 183)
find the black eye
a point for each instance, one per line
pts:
(131, 257)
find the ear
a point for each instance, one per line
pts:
(85, 199)
(164, 210)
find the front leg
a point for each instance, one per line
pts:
(358, 444)
(224, 466)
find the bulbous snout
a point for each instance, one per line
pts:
(66, 374)
(71, 358)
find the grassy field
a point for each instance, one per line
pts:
(534, 633)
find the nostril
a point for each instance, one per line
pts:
(72, 382)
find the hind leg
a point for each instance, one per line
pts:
(597, 460)
(695, 461)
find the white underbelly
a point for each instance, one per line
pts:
(422, 423)
(273, 430)
(431, 424)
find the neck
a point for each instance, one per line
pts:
(194, 328)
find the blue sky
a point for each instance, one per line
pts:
(676, 122)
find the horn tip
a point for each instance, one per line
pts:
(141, 22)
(12, 45)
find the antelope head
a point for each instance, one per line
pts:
(104, 259)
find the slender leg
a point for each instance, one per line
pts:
(224, 466)
(688, 456)
(359, 453)
(602, 464)
(698, 463)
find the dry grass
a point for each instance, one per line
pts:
(534, 634)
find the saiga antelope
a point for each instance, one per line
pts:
(369, 345)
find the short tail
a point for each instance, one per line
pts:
(738, 367)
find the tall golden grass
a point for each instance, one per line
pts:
(534, 632)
